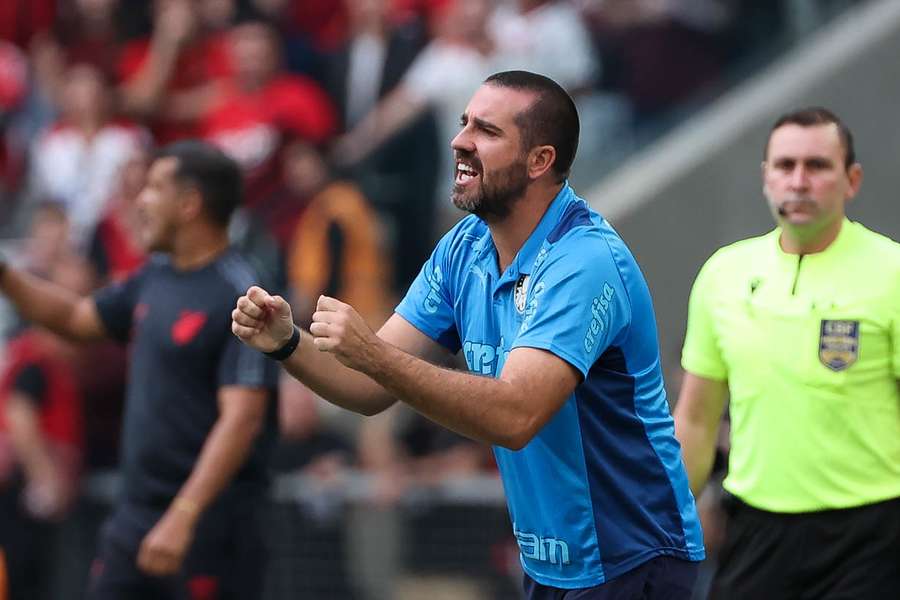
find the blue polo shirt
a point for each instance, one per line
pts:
(601, 488)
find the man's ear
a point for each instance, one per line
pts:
(540, 160)
(855, 176)
(191, 204)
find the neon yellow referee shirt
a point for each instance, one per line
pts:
(810, 347)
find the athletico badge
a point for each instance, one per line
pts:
(521, 292)
(838, 344)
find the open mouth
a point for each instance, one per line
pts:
(465, 173)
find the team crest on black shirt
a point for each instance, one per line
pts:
(521, 292)
(838, 343)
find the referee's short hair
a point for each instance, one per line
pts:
(810, 117)
(215, 175)
(551, 120)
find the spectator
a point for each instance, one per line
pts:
(261, 108)
(77, 161)
(338, 246)
(115, 248)
(172, 77)
(41, 443)
(547, 37)
(400, 179)
(442, 77)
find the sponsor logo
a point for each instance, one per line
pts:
(532, 306)
(521, 292)
(838, 343)
(545, 549)
(187, 326)
(433, 300)
(484, 359)
(599, 317)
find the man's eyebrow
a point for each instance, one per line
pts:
(481, 123)
(487, 125)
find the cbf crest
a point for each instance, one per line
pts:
(838, 343)
(521, 292)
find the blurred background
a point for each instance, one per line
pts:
(341, 113)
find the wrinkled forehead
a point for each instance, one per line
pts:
(499, 105)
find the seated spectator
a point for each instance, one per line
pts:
(261, 108)
(77, 161)
(41, 443)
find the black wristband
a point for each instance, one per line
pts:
(285, 351)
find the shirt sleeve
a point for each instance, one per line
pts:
(31, 383)
(428, 305)
(576, 305)
(244, 366)
(116, 304)
(701, 355)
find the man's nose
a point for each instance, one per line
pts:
(799, 178)
(462, 142)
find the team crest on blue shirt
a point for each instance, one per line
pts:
(521, 292)
(838, 343)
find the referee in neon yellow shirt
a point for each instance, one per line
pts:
(801, 329)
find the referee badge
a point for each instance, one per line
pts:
(521, 292)
(838, 344)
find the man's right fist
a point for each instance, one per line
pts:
(262, 321)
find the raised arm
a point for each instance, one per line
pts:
(265, 322)
(698, 415)
(50, 305)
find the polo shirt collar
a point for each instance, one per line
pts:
(524, 260)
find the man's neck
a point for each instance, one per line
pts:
(796, 240)
(198, 247)
(510, 233)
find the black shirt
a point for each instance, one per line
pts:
(182, 352)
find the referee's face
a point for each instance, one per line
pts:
(491, 170)
(804, 177)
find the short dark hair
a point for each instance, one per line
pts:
(810, 117)
(552, 119)
(214, 173)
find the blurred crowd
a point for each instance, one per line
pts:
(340, 113)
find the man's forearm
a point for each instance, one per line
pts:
(698, 448)
(227, 447)
(40, 301)
(326, 376)
(481, 408)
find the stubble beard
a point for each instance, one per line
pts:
(494, 201)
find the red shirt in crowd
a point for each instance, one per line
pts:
(253, 127)
(60, 408)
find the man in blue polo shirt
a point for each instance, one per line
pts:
(554, 319)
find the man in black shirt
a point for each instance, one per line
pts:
(199, 417)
